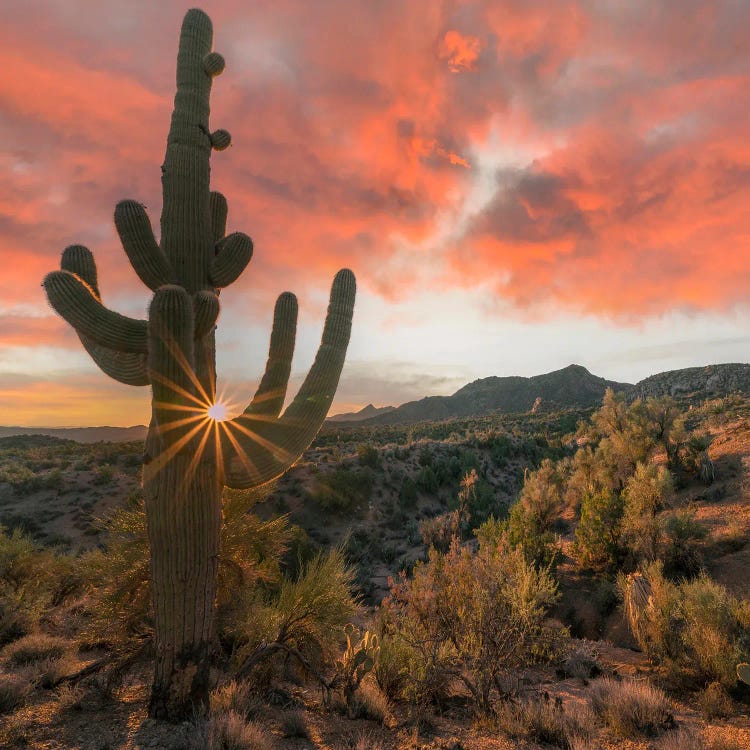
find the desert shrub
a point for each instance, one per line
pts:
(370, 702)
(368, 456)
(32, 580)
(630, 708)
(343, 489)
(393, 664)
(581, 661)
(683, 739)
(471, 616)
(69, 697)
(427, 481)
(439, 532)
(530, 525)
(408, 493)
(251, 552)
(715, 628)
(33, 648)
(366, 741)
(103, 474)
(304, 617)
(651, 606)
(552, 723)
(546, 721)
(527, 531)
(644, 495)
(696, 623)
(681, 544)
(714, 701)
(293, 724)
(588, 475)
(237, 697)
(694, 459)
(689, 739)
(598, 532)
(14, 689)
(230, 731)
(49, 672)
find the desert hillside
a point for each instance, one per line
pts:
(382, 495)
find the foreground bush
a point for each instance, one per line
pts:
(258, 603)
(630, 708)
(697, 624)
(32, 580)
(469, 616)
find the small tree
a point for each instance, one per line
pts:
(598, 533)
(645, 494)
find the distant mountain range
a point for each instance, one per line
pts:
(82, 434)
(573, 386)
(357, 416)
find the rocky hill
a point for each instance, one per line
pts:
(573, 386)
(712, 381)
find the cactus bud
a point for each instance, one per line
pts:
(220, 139)
(213, 64)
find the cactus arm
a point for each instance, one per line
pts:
(269, 398)
(257, 449)
(137, 238)
(124, 367)
(218, 207)
(75, 301)
(233, 253)
(186, 224)
(206, 305)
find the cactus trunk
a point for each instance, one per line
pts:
(184, 523)
(189, 457)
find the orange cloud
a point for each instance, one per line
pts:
(356, 129)
(460, 52)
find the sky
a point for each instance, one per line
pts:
(517, 184)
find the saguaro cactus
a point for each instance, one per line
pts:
(189, 457)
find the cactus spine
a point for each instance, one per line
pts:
(188, 457)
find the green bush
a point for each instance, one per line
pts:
(368, 456)
(645, 494)
(697, 624)
(343, 490)
(598, 532)
(471, 616)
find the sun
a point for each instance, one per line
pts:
(217, 411)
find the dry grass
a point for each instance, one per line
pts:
(230, 731)
(237, 697)
(715, 702)
(366, 741)
(547, 721)
(630, 708)
(49, 672)
(14, 689)
(69, 698)
(34, 648)
(689, 739)
(371, 702)
(293, 724)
